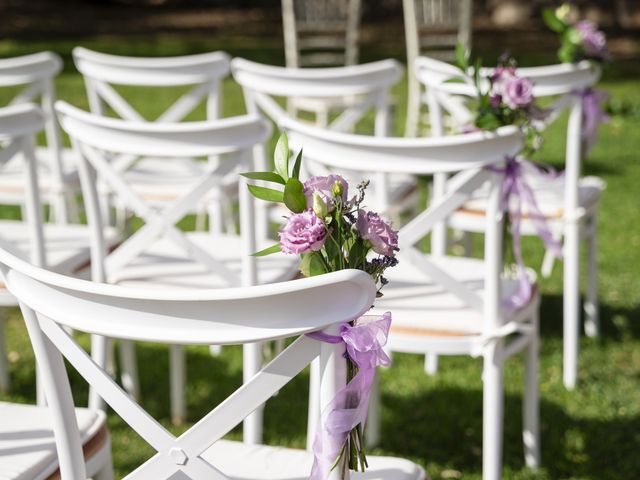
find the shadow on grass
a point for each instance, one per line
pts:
(443, 428)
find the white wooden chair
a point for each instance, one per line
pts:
(202, 74)
(27, 445)
(33, 76)
(159, 255)
(432, 28)
(367, 84)
(60, 247)
(320, 33)
(568, 203)
(449, 305)
(248, 315)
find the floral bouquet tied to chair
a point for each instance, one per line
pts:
(332, 232)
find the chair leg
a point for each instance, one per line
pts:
(431, 363)
(372, 430)
(252, 425)
(492, 408)
(105, 472)
(591, 307)
(177, 373)
(313, 416)
(4, 362)
(571, 305)
(99, 349)
(531, 406)
(129, 368)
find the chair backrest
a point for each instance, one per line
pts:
(434, 27)
(370, 83)
(51, 302)
(564, 82)
(321, 32)
(18, 126)
(36, 73)
(465, 156)
(203, 72)
(101, 143)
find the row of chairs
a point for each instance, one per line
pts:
(101, 144)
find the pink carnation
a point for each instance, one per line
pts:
(517, 92)
(594, 41)
(383, 239)
(303, 233)
(324, 187)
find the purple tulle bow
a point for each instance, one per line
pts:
(517, 193)
(592, 115)
(364, 344)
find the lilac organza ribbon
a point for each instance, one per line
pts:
(592, 114)
(364, 342)
(517, 193)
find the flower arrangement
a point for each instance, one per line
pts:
(504, 98)
(329, 230)
(332, 232)
(580, 40)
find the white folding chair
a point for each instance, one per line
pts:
(432, 28)
(568, 203)
(449, 305)
(52, 302)
(202, 74)
(60, 247)
(368, 85)
(27, 445)
(34, 76)
(159, 255)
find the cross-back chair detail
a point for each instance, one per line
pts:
(578, 200)
(321, 32)
(51, 302)
(447, 305)
(35, 73)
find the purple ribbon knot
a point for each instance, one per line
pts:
(517, 193)
(364, 347)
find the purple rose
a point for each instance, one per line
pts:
(517, 92)
(303, 233)
(594, 41)
(324, 187)
(495, 100)
(383, 239)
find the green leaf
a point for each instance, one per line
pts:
(312, 264)
(462, 57)
(552, 21)
(281, 156)
(267, 194)
(294, 197)
(267, 251)
(296, 165)
(266, 176)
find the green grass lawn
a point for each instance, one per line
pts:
(590, 433)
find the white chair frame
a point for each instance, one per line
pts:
(504, 333)
(433, 28)
(236, 137)
(36, 72)
(561, 82)
(52, 302)
(202, 72)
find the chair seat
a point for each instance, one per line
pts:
(67, 247)
(165, 265)
(12, 183)
(261, 462)
(549, 195)
(421, 307)
(27, 445)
